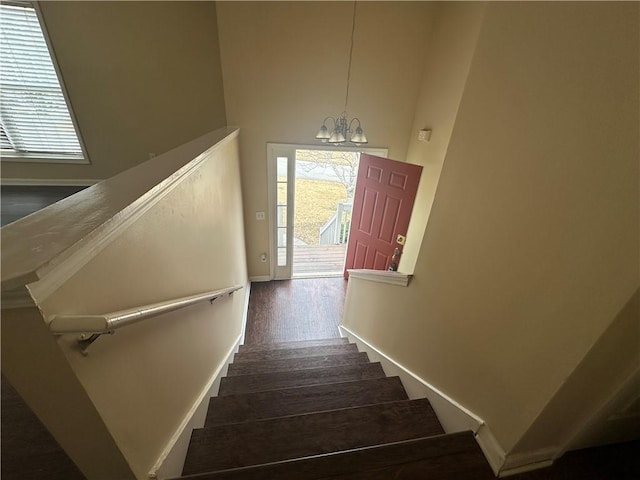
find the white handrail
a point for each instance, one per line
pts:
(108, 322)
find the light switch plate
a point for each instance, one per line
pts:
(260, 216)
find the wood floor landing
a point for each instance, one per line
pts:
(292, 310)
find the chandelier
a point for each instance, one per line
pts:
(342, 131)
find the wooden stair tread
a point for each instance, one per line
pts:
(299, 378)
(297, 352)
(288, 364)
(271, 440)
(293, 401)
(431, 458)
(295, 344)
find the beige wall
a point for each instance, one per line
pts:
(143, 77)
(611, 361)
(531, 249)
(447, 61)
(145, 378)
(285, 68)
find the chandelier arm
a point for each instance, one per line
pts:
(324, 122)
(355, 119)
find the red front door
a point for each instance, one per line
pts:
(382, 205)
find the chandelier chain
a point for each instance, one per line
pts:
(342, 131)
(353, 29)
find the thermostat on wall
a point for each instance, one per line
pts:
(424, 135)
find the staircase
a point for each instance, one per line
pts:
(320, 409)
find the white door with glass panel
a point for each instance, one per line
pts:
(281, 166)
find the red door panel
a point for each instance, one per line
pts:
(382, 205)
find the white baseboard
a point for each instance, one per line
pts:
(260, 278)
(526, 462)
(453, 416)
(171, 461)
(492, 450)
(50, 182)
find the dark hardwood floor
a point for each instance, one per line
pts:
(611, 462)
(18, 201)
(28, 451)
(292, 310)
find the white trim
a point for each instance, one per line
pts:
(493, 452)
(528, 461)
(377, 151)
(260, 278)
(272, 256)
(525, 468)
(381, 276)
(49, 182)
(63, 87)
(274, 151)
(171, 461)
(26, 157)
(245, 311)
(453, 416)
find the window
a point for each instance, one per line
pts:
(35, 121)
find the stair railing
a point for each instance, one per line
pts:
(92, 326)
(328, 231)
(336, 230)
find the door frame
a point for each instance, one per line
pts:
(288, 150)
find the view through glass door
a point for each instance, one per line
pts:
(311, 196)
(324, 184)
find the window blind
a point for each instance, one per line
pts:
(33, 112)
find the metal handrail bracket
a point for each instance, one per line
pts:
(93, 326)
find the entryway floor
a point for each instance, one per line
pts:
(298, 309)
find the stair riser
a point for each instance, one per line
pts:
(286, 345)
(232, 446)
(255, 368)
(294, 401)
(312, 376)
(284, 353)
